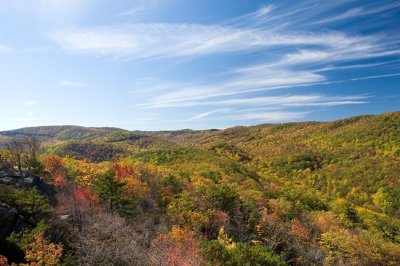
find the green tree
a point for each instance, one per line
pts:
(183, 211)
(30, 202)
(112, 192)
(240, 254)
(24, 238)
(222, 197)
(387, 199)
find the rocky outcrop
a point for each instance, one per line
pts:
(10, 220)
(13, 178)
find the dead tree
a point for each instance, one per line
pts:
(32, 145)
(16, 148)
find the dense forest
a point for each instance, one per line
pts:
(313, 193)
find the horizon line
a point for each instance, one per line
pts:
(206, 129)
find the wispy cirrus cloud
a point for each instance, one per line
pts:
(209, 113)
(299, 100)
(281, 101)
(138, 11)
(155, 40)
(376, 76)
(250, 32)
(351, 13)
(5, 49)
(30, 103)
(270, 116)
(51, 12)
(360, 11)
(240, 85)
(69, 83)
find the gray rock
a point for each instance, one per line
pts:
(10, 220)
(28, 180)
(7, 180)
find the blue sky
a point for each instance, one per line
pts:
(173, 64)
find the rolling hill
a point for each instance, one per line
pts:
(309, 193)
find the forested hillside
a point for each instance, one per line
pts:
(313, 193)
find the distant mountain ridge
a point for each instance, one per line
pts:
(65, 132)
(73, 132)
(249, 138)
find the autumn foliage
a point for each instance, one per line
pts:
(179, 247)
(43, 253)
(281, 194)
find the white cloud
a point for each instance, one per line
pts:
(49, 12)
(351, 13)
(376, 76)
(69, 83)
(304, 56)
(132, 12)
(271, 100)
(30, 103)
(345, 67)
(61, 8)
(271, 116)
(5, 49)
(263, 11)
(274, 101)
(298, 100)
(263, 14)
(154, 40)
(365, 48)
(146, 87)
(241, 85)
(360, 11)
(333, 103)
(207, 114)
